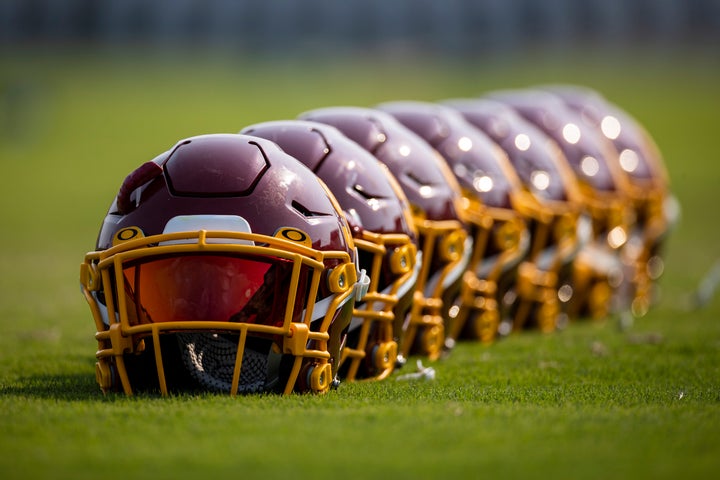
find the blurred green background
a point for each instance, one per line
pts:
(90, 90)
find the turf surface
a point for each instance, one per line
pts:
(593, 401)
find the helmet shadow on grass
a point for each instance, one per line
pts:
(68, 387)
(78, 383)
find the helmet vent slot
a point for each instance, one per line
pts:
(303, 210)
(365, 194)
(412, 176)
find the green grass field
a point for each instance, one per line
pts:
(591, 402)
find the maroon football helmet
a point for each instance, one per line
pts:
(434, 196)
(656, 209)
(224, 264)
(597, 278)
(381, 224)
(550, 206)
(491, 190)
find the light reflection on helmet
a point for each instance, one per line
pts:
(223, 264)
(655, 209)
(382, 227)
(490, 190)
(598, 271)
(434, 197)
(550, 205)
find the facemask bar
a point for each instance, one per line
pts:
(657, 213)
(560, 229)
(375, 315)
(599, 287)
(558, 233)
(499, 244)
(443, 242)
(103, 269)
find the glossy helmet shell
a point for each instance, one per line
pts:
(490, 187)
(656, 210)
(620, 129)
(604, 187)
(535, 157)
(382, 227)
(434, 196)
(551, 207)
(577, 142)
(223, 249)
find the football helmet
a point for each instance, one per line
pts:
(550, 205)
(223, 264)
(434, 196)
(597, 270)
(380, 220)
(492, 197)
(656, 209)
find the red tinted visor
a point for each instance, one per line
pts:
(209, 288)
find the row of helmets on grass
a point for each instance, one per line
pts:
(294, 254)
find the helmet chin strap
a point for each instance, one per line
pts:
(362, 285)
